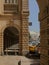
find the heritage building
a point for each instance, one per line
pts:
(14, 34)
(44, 30)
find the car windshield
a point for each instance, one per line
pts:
(32, 44)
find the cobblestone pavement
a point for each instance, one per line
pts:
(15, 60)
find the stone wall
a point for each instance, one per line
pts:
(44, 28)
(19, 21)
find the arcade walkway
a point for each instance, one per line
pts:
(11, 41)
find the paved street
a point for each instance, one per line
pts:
(14, 60)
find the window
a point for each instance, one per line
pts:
(47, 20)
(47, 9)
(48, 41)
(48, 52)
(5, 1)
(11, 1)
(8, 1)
(48, 31)
(48, 62)
(16, 1)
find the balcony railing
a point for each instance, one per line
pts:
(10, 8)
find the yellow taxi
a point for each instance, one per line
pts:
(32, 48)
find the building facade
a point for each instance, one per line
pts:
(14, 26)
(44, 30)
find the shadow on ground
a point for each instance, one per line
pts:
(33, 56)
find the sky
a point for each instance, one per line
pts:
(33, 17)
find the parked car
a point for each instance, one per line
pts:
(38, 48)
(32, 48)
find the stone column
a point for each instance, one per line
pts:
(1, 43)
(25, 32)
(25, 35)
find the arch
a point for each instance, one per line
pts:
(14, 25)
(11, 40)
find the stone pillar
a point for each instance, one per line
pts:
(25, 35)
(25, 32)
(1, 44)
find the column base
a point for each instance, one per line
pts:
(25, 52)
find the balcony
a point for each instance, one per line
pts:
(30, 23)
(10, 8)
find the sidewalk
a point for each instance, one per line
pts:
(13, 60)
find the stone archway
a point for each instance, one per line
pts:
(11, 41)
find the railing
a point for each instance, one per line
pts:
(10, 8)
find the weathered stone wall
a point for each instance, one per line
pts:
(4, 23)
(44, 31)
(19, 21)
(25, 32)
